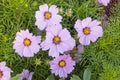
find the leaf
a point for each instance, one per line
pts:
(51, 77)
(74, 77)
(87, 74)
(17, 77)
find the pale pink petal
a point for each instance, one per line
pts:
(53, 9)
(41, 24)
(97, 31)
(27, 52)
(62, 73)
(34, 48)
(70, 42)
(55, 19)
(39, 15)
(78, 25)
(64, 35)
(94, 23)
(53, 51)
(54, 29)
(43, 8)
(49, 37)
(85, 40)
(86, 22)
(62, 47)
(45, 46)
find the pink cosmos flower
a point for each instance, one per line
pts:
(26, 75)
(104, 2)
(47, 16)
(26, 44)
(58, 40)
(62, 66)
(4, 71)
(88, 30)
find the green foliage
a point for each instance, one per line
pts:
(111, 72)
(74, 77)
(17, 77)
(87, 74)
(51, 77)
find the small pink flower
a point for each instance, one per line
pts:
(88, 30)
(104, 2)
(62, 66)
(26, 44)
(47, 16)
(4, 71)
(26, 75)
(58, 40)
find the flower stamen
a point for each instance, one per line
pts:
(47, 15)
(1, 74)
(62, 63)
(86, 30)
(56, 40)
(27, 42)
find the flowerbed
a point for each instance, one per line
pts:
(59, 40)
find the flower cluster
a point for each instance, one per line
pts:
(58, 40)
(61, 46)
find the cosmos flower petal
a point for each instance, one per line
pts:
(45, 45)
(93, 38)
(78, 25)
(54, 29)
(86, 22)
(43, 8)
(56, 19)
(19, 50)
(70, 42)
(84, 40)
(41, 26)
(104, 2)
(62, 73)
(64, 34)
(34, 48)
(26, 75)
(94, 23)
(49, 37)
(27, 52)
(97, 29)
(53, 9)
(53, 51)
(39, 15)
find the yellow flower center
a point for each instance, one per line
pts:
(1, 74)
(56, 40)
(86, 30)
(47, 15)
(27, 42)
(62, 63)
